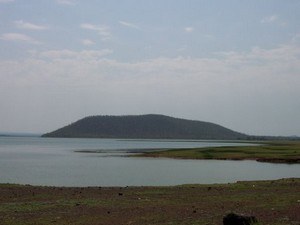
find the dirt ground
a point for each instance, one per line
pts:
(272, 202)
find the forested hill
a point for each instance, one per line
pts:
(144, 126)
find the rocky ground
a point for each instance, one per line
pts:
(272, 202)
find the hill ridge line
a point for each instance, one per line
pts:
(152, 126)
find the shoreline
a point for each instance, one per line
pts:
(286, 179)
(286, 152)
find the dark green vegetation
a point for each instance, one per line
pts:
(280, 151)
(272, 202)
(145, 126)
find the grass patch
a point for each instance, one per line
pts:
(280, 152)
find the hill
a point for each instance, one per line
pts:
(144, 126)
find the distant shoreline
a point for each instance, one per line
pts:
(20, 135)
(273, 152)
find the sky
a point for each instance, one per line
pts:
(235, 63)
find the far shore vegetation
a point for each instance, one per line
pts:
(275, 151)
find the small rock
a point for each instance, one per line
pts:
(120, 194)
(234, 219)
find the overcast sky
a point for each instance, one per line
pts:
(234, 62)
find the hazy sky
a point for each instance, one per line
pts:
(233, 62)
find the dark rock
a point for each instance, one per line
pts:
(120, 194)
(234, 219)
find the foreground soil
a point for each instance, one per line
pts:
(272, 202)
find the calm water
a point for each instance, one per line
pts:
(45, 161)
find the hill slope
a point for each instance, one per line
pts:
(144, 126)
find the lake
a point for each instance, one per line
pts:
(57, 162)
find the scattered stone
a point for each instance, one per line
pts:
(120, 194)
(234, 219)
